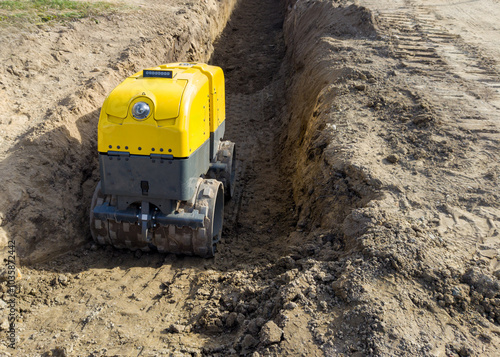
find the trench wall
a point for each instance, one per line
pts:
(326, 184)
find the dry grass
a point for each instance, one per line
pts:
(43, 11)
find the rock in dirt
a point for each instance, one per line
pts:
(4, 325)
(176, 328)
(4, 274)
(248, 342)
(392, 158)
(255, 325)
(290, 306)
(270, 333)
(482, 282)
(232, 319)
(422, 119)
(63, 280)
(56, 352)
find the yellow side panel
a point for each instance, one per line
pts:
(219, 101)
(217, 93)
(195, 112)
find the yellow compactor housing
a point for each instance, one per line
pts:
(186, 104)
(159, 133)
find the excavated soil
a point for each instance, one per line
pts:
(366, 215)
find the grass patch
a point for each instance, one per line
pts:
(43, 11)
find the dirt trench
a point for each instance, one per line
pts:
(186, 305)
(251, 49)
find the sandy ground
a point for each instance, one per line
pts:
(366, 217)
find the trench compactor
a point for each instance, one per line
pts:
(165, 171)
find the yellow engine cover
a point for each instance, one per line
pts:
(186, 101)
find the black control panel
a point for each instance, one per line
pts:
(148, 73)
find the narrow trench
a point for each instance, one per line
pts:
(258, 221)
(251, 51)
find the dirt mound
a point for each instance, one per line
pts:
(336, 21)
(371, 158)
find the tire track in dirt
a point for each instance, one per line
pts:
(455, 72)
(423, 44)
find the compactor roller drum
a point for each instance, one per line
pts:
(165, 170)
